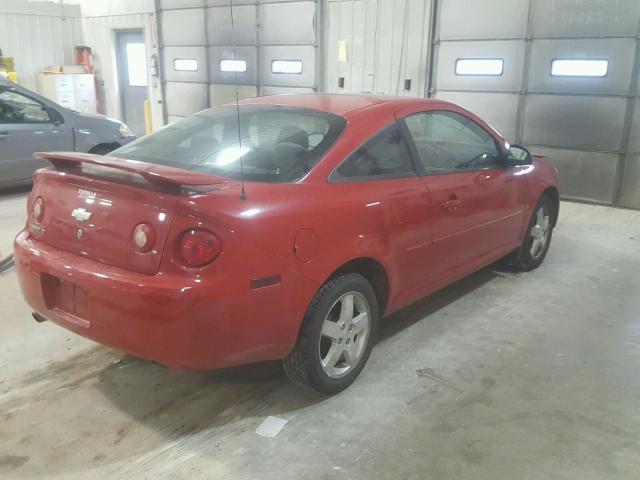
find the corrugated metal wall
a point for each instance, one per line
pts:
(589, 127)
(383, 43)
(268, 30)
(37, 35)
(100, 34)
(101, 20)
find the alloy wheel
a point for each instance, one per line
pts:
(345, 333)
(540, 232)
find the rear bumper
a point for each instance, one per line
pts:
(187, 323)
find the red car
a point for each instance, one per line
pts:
(283, 228)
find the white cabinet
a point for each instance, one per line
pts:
(85, 92)
(72, 90)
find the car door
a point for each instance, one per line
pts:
(27, 126)
(390, 202)
(477, 204)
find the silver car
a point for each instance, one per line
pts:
(32, 123)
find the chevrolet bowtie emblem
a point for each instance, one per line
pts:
(80, 214)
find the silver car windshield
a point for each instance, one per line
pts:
(275, 143)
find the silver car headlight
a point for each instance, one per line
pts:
(124, 131)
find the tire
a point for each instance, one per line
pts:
(327, 333)
(539, 231)
(103, 149)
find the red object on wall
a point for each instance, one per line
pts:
(83, 57)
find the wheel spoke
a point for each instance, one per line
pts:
(333, 355)
(360, 322)
(350, 354)
(346, 309)
(540, 216)
(331, 329)
(535, 231)
(545, 222)
(534, 246)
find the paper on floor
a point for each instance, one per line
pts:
(271, 426)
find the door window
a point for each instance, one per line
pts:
(450, 142)
(18, 108)
(137, 64)
(386, 155)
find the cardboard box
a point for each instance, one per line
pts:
(65, 69)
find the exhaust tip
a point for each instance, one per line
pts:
(38, 318)
(6, 263)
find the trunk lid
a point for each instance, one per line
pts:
(93, 203)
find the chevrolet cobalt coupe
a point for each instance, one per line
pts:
(281, 228)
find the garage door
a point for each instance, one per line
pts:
(276, 51)
(557, 75)
(378, 46)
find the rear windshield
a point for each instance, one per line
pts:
(275, 143)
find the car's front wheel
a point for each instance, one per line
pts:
(104, 148)
(538, 237)
(336, 335)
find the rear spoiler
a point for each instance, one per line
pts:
(159, 175)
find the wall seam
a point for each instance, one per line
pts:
(628, 124)
(431, 64)
(524, 81)
(207, 60)
(160, 66)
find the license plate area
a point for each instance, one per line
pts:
(64, 295)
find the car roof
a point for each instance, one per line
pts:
(337, 103)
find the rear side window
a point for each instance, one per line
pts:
(386, 155)
(267, 143)
(450, 142)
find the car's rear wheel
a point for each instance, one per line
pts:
(538, 237)
(336, 335)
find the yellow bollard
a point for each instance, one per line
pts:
(148, 123)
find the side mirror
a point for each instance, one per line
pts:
(55, 116)
(518, 155)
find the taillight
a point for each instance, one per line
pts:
(38, 209)
(144, 237)
(198, 248)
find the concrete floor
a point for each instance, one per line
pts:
(501, 376)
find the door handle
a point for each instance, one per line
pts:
(4, 135)
(452, 204)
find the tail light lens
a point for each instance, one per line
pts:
(198, 247)
(38, 209)
(144, 237)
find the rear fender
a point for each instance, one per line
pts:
(266, 293)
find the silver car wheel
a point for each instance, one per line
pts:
(540, 232)
(344, 335)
